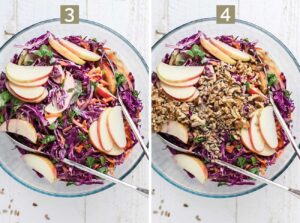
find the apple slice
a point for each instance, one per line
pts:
(178, 74)
(104, 92)
(64, 51)
(79, 51)
(93, 134)
(69, 87)
(115, 125)
(109, 78)
(60, 79)
(182, 84)
(194, 97)
(245, 136)
(103, 133)
(176, 129)
(231, 51)
(27, 74)
(26, 92)
(30, 84)
(180, 94)
(255, 136)
(42, 165)
(254, 90)
(20, 127)
(267, 127)
(216, 51)
(192, 165)
(246, 140)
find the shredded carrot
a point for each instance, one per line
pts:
(230, 148)
(85, 45)
(48, 115)
(106, 100)
(262, 161)
(79, 148)
(103, 82)
(80, 125)
(67, 129)
(109, 159)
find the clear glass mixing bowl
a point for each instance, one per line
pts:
(162, 161)
(10, 159)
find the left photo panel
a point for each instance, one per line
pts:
(74, 111)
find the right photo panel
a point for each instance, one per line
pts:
(225, 113)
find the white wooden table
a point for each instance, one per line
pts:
(117, 204)
(281, 17)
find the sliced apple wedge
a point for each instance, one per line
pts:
(36, 100)
(104, 92)
(115, 125)
(103, 133)
(176, 129)
(60, 80)
(42, 165)
(26, 92)
(194, 97)
(29, 84)
(182, 84)
(109, 78)
(254, 90)
(64, 51)
(20, 127)
(231, 51)
(267, 127)
(178, 74)
(180, 94)
(93, 135)
(69, 87)
(245, 136)
(216, 51)
(255, 136)
(79, 51)
(27, 74)
(192, 165)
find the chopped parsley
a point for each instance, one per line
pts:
(241, 161)
(16, 104)
(52, 126)
(48, 138)
(247, 40)
(254, 170)
(44, 51)
(90, 161)
(69, 183)
(253, 160)
(272, 79)
(287, 93)
(195, 51)
(238, 147)
(120, 79)
(5, 96)
(232, 138)
(102, 160)
(102, 169)
(78, 91)
(94, 84)
(135, 93)
(82, 136)
(247, 86)
(1, 118)
(73, 113)
(220, 184)
(199, 139)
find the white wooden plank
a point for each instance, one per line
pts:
(7, 20)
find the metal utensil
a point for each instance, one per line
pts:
(129, 119)
(141, 190)
(235, 168)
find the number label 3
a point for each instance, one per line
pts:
(225, 14)
(69, 14)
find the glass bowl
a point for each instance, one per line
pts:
(10, 158)
(162, 161)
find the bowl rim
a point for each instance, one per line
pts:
(142, 60)
(255, 188)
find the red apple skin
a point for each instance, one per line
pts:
(255, 90)
(182, 100)
(31, 84)
(110, 78)
(100, 119)
(182, 84)
(104, 92)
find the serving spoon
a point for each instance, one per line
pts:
(292, 191)
(140, 190)
(128, 117)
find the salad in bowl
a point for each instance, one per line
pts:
(211, 96)
(58, 96)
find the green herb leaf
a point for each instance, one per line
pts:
(238, 147)
(254, 170)
(70, 90)
(78, 91)
(247, 86)
(120, 79)
(5, 96)
(102, 160)
(48, 138)
(135, 93)
(69, 183)
(199, 139)
(73, 113)
(94, 39)
(52, 126)
(90, 161)
(94, 84)
(190, 53)
(82, 136)
(272, 79)
(102, 169)
(232, 138)
(16, 104)
(1, 118)
(247, 40)
(287, 93)
(253, 160)
(241, 161)
(220, 184)
(197, 51)
(44, 51)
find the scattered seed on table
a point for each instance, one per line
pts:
(11, 212)
(160, 207)
(162, 213)
(185, 205)
(4, 211)
(2, 191)
(162, 201)
(153, 191)
(47, 217)
(155, 212)
(34, 204)
(198, 218)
